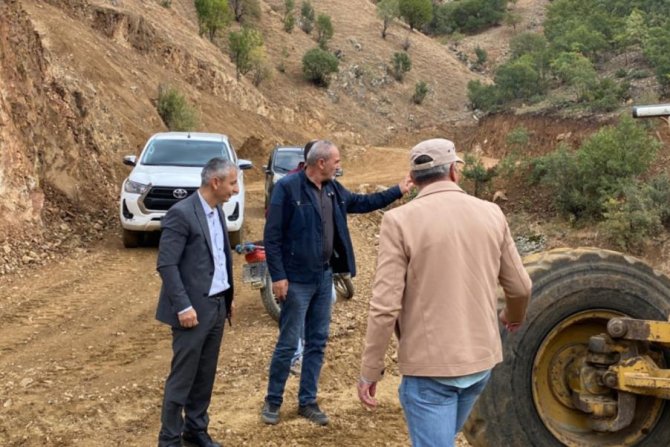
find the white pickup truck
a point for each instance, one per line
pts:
(168, 170)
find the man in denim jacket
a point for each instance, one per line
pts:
(306, 240)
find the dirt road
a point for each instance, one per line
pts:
(82, 360)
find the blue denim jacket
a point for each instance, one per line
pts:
(293, 232)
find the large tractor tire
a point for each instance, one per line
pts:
(527, 402)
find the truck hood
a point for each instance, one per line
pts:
(167, 175)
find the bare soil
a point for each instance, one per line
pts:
(83, 362)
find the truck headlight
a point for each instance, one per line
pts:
(134, 187)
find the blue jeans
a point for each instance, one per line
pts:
(297, 355)
(435, 412)
(311, 304)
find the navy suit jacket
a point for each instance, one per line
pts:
(185, 261)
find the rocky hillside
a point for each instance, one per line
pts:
(79, 80)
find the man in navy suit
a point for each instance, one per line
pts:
(195, 265)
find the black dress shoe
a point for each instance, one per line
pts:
(198, 439)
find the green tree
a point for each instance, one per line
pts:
(512, 19)
(534, 45)
(401, 64)
(260, 68)
(318, 65)
(307, 17)
(632, 219)
(583, 181)
(416, 12)
(575, 70)
(656, 50)
(387, 11)
(475, 171)
(466, 16)
(518, 79)
(483, 97)
(245, 9)
(289, 18)
(242, 44)
(324, 30)
(174, 110)
(213, 15)
(634, 32)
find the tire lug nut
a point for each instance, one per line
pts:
(617, 328)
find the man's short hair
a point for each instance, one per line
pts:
(216, 167)
(435, 173)
(307, 147)
(320, 150)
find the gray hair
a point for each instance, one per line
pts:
(216, 167)
(320, 150)
(425, 176)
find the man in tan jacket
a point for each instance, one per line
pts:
(441, 257)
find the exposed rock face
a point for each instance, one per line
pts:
(79, 80)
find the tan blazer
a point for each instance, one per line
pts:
(441, 257)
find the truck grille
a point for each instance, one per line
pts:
(161, 198)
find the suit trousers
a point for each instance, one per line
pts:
(188, 388)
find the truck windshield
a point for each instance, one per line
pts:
(183, 152)
(287, 160)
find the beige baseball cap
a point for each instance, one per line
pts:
(440, 150)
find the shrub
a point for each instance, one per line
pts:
(324, 30)
(518, 138)
(260, 68)
(213, 15)
(281, 66)
(420, 92)
(289, 18)
(317, 65)
(481, 56)
(480, 176)
(584, 180)
(175, 112)
(415, 12)
(467, 16)
(660, 195)
(307, 17)
(575, 70)
(483, 97)
(606, 95)
(401, 64)
(387, 11)
(242, 44)
(244, 9)
(621, 73)
(632, 219)
(518, 79)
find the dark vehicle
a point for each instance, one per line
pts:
(283, 159)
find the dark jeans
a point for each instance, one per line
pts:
(311, 304)
(188, 388)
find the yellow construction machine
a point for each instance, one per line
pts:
(590, 367)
